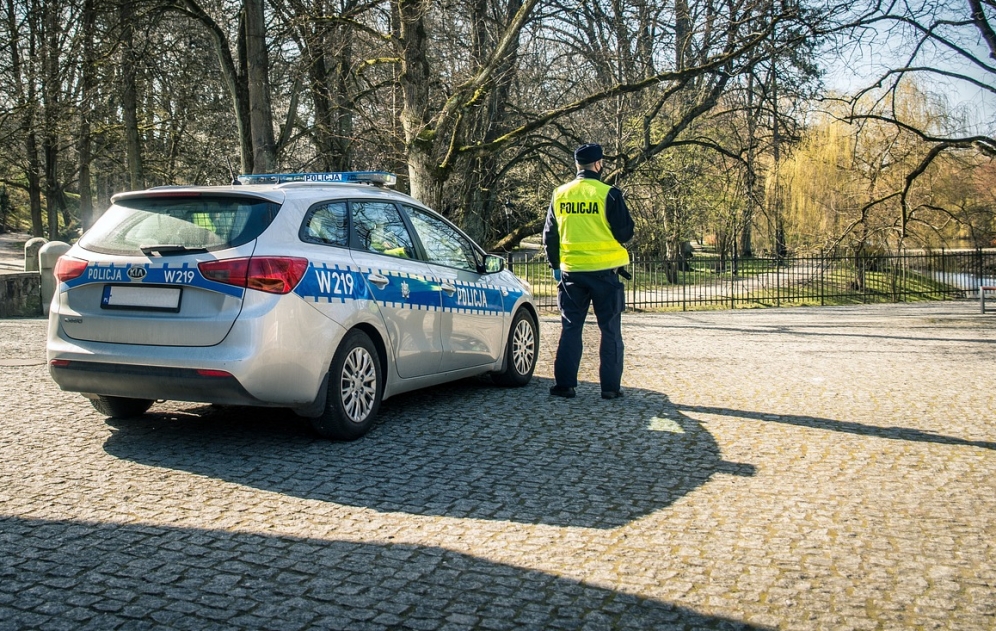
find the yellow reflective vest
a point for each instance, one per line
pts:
(586, 241)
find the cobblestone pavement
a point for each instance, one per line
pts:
(796, 469)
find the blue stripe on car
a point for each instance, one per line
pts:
(184, 275)
(339, 284)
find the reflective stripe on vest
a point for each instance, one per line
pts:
(586, 241)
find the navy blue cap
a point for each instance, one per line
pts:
(588, 153)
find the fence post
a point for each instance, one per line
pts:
(899, 287)
(631, 286)
(733, 276)
(684, 302)
(823, 289)
(979, 276)
(779, 281)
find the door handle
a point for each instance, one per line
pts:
(378, 279)
(449, 288)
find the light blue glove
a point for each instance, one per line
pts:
(556, 275)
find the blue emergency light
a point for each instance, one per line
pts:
(378, 178)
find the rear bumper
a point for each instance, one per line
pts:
(276, 354)
(150, 382)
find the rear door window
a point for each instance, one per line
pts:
(179, 225)
(379, 228)
(327, 223)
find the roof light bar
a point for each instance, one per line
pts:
(378, 178)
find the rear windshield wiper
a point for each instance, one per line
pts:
(167, 249)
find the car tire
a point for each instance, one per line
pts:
(521, 351)
(121, 407)
(354, 391)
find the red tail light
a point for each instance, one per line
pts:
(68, 268)
(207, 372)
(272, 274)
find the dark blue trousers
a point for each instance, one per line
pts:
(576, 292)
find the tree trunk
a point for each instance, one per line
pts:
(235, 81)
(258, 71)
(461, 186)
(343, 105)
(53, 192)
(25, 81)
(750, 184)
(87, 81)
(424, 184)
(329, 53)
(682, 33)
(34, 183)
(129, 97)
(51, 101)
(777, 207)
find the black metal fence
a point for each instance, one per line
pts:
(712, 282)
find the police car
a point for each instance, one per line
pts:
(321, 292)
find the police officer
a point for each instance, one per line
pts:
(586, 225)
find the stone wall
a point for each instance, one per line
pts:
(20, 295)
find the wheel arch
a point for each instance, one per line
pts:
(529, 308)
(316, 407)
(382, 353)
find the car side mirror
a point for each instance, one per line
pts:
(493, 264)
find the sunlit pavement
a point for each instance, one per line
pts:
(829, 468)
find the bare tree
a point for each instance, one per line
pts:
(233, 74)
(23, 35)
(601, 68)
(951, 42)
(480, 101)
(328, 37)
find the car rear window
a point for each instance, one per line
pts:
(174, 225)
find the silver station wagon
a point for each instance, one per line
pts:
(321, 292)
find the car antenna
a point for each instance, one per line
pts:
(231, 172)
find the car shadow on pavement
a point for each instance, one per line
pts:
(65, 574)
(464, 450)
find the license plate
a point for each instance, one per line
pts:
(141, 298)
